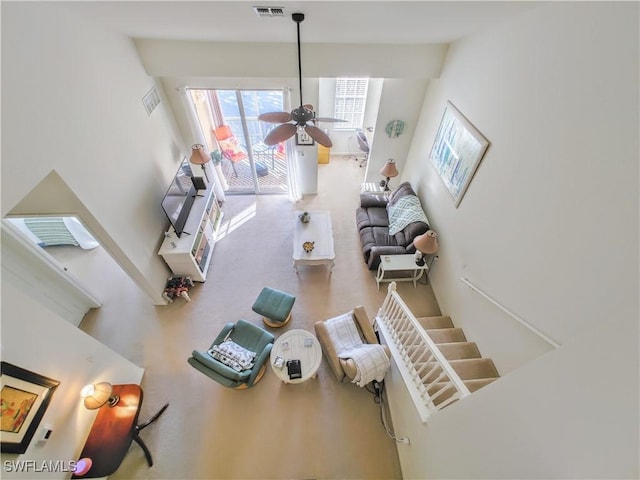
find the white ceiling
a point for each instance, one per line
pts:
(376, 22)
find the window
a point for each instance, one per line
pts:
(351, 97)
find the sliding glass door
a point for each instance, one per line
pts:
(229, 120)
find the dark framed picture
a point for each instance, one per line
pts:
(24, 397)
(303, 138)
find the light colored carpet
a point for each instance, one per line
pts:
(319, 429)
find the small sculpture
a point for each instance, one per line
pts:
(304, 217)
(308, 246)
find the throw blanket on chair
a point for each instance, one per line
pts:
(343, 332)
(371, 360)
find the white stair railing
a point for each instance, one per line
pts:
(429, 377)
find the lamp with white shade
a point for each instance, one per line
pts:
(389, 171)
(426, 244)
(96, 395)
(200, 157)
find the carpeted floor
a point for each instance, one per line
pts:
(319, 429)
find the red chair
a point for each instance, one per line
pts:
(231, 148)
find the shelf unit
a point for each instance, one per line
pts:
(190, 254)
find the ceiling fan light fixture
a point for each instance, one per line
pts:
(304, 116)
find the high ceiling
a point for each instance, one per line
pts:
(376, 22)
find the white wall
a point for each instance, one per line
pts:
(549, 223)
(38, 340)
(564, 415)
(170, 58)
(400, 99)
(549, 227)
(78, 110)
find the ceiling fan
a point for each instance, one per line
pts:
(302, 117)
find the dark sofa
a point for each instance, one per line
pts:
(372, 220)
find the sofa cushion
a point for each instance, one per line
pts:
(371, 217)
(374, 236)
(368, 200)
(410, 232)
(402, 190)
(381, 236)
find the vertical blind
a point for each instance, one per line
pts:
(351, 97)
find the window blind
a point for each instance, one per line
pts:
(351, 97)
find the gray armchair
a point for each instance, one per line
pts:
(248, 336)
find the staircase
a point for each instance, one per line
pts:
(474, 371)
(437, 363)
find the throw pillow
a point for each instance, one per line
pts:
(233, 355)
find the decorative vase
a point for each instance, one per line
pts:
(304, 217)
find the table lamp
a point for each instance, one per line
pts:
(389, 170)
(426, 244)
(200, 157)
(96, 395)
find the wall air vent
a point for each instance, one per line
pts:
(269, 11)
(151, 100)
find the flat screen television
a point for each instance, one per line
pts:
(179, 198)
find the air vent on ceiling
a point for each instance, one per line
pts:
(269, 11)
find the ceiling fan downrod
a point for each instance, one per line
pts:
(299, 18)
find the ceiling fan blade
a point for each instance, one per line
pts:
(318, 135)
(275, 117)
(327, 119)
(280, 134)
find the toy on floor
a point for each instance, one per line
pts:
(177, 287)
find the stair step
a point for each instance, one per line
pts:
(472, 385)
(459, 350)
(446, 335)
(478, 383)
(475, 368)
(435, 322)
(445, 395)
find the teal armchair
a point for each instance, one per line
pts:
(250, 337)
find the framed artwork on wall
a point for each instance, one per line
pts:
(25, 397)
(303, 138)
(457, 151)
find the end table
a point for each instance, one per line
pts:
(400, 263)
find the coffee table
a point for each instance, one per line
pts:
(301, 345)
(317, 230)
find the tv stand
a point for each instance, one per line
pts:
(190, 255)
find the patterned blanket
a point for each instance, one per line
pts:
(343, 332)
(371, 360)
(405, 211)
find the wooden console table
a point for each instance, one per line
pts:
(113, 431)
